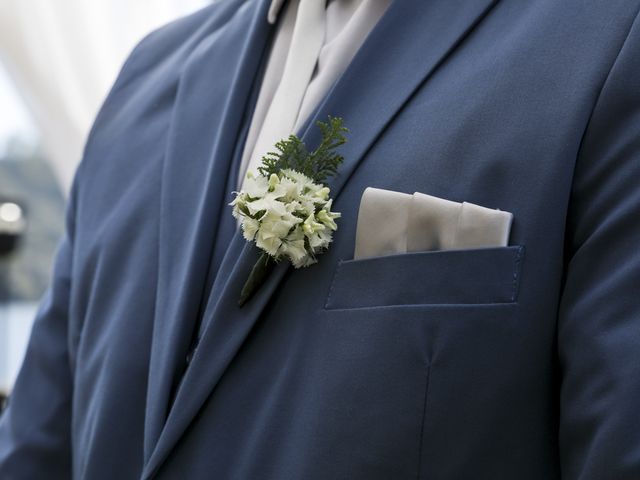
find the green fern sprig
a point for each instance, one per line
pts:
(318, 165)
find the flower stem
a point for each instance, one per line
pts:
(259, 274)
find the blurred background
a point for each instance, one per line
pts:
(57, 62)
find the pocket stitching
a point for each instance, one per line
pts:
(514, 289)
(333, 282)
(516, 274)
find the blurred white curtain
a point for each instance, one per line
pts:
(64, 54)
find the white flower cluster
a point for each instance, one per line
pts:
(288, 215)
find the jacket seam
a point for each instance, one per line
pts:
(605, 82)
(424, 416)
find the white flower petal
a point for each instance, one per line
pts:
(288, 225)
(250, 227)
(256, 187)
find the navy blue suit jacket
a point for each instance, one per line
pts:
(518, 362)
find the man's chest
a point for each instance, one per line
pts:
(489, 125)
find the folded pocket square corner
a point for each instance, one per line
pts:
(393, 223)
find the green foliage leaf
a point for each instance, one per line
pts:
(322, 163)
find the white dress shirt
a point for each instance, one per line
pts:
(346, 26)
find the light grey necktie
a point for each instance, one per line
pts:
(306, 43)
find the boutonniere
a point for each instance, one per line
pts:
(285, 208)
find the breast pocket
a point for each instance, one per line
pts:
(470, 276)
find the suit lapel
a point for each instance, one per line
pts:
(207, 118)
(411, 40)
(406, 46)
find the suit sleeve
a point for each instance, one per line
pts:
(599, 315)
(35, 428)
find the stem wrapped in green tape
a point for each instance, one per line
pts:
(257, 277)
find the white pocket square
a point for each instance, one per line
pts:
(392, 223)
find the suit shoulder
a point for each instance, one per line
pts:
(176, 39)
(146, 86)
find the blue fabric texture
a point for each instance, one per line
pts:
(518, 362)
